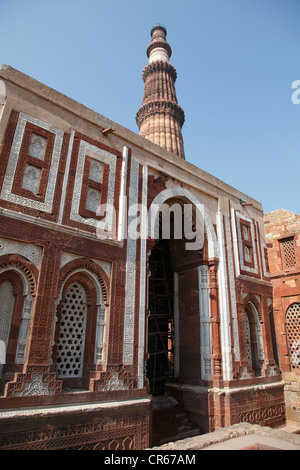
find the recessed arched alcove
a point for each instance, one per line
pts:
(174, 328)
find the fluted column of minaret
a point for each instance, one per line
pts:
(160, 118)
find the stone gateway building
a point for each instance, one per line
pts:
(104, 318)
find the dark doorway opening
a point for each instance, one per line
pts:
(170, 421)
(160, 365)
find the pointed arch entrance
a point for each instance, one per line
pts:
(178, 343)
(160, 365)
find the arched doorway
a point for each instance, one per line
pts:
(160, 365)
(173, 346)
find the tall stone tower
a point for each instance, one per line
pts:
(160, 118)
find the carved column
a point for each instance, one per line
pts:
(215, 325)
(24, 330)
(205, 323)
(100, 333)
(41, 334)
(244, 371)
(270, 368)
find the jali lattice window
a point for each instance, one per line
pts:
(288, 252)
(293, 334)
(71, 341)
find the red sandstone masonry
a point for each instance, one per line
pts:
(207, 400)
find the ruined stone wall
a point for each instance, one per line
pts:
(283, 236)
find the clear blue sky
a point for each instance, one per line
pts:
(236, 61)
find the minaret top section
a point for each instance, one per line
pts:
(158, 48)
(160, 118)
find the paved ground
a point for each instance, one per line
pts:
(254, 442)
(243, 436)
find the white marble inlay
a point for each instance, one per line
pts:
(158, 53)
(96, 171)
(101, 156)
(29, 251)
(31, 178)
(37, 146)
(224, 303)
(8, 181)
(130, 287)
(205, 323)
(143, 280)
(93, 198)
(231, 284)
(67, 257)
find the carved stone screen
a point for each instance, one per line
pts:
(71, 340)
(293, 333)
(288, 249)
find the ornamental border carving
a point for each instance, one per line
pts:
(250, 298)
(158, 66)
(27, 267)
(7, 188)
(103, 434)
(87, 264)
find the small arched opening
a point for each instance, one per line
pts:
(254, 344)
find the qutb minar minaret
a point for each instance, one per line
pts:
(160, 118)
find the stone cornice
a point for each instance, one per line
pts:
(160, 107)
(159, 66)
